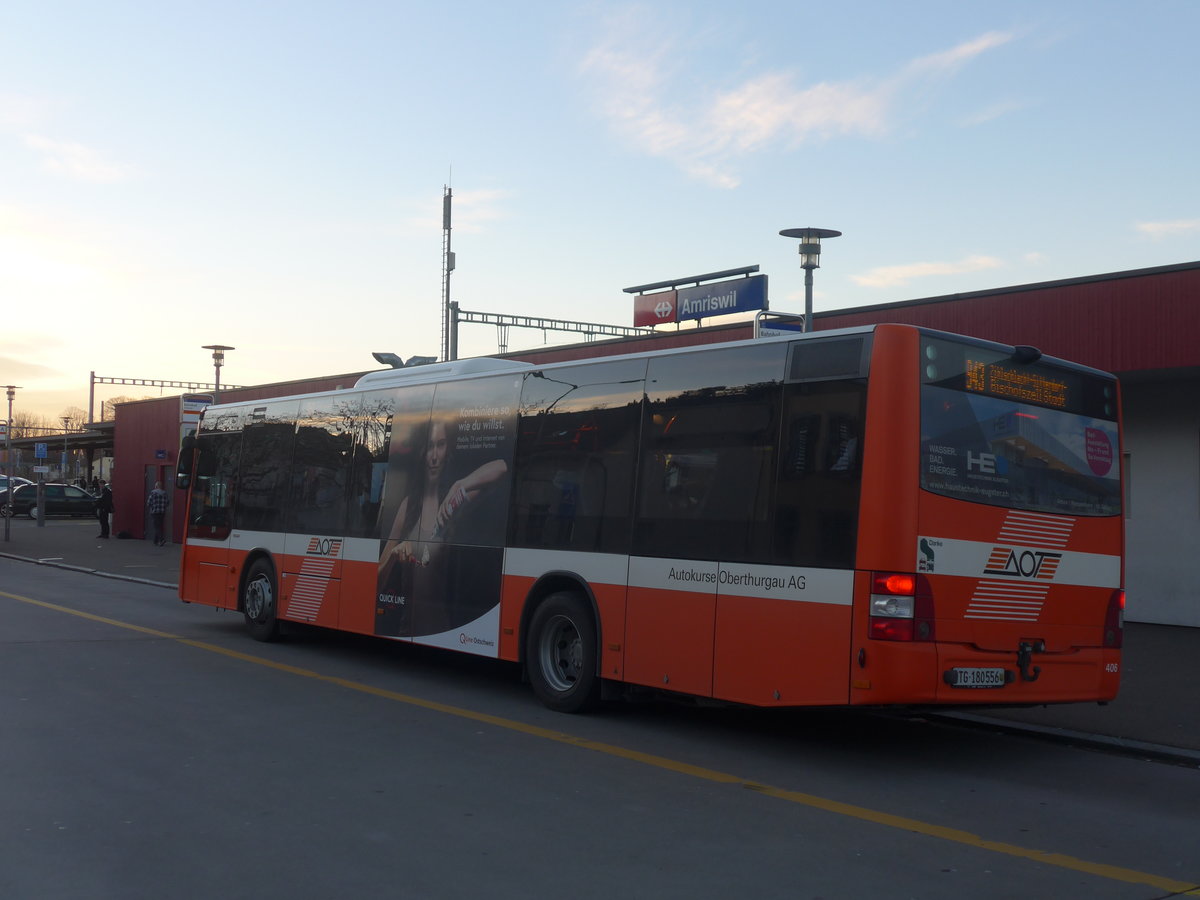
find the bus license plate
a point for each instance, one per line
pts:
(978, 678)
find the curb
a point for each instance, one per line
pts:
(86, 571)
(132, 578)
(1179, 756)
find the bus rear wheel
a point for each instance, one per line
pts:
(560, 656)
(258, 602)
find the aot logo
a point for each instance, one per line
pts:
(1022, 564)
(324, 547)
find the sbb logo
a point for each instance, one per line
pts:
(654, 309)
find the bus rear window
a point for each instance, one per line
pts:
(1040, 438)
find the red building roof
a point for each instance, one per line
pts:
(1136, 321)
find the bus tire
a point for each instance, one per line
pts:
(560, 657)
(258, 601)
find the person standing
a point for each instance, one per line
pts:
(104, 507)
(157, 504)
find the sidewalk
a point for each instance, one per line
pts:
(1156, 713)
(72, 543)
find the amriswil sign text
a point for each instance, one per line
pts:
(721, 298)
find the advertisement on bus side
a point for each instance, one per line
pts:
(445, 507)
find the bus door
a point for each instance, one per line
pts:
(784, 628)
(206, 566)
(705, 501)
(317, 502)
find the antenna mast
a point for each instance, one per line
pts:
(447, 268)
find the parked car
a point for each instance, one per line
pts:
(17, 481)
(60, 499)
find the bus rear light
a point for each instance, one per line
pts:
(901, 607)
(893, 583)
(1114, 620)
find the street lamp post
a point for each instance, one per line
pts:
(810, 258)
(218, 352)
(66, 420)
(12, 392)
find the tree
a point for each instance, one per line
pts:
(26, 425)
(76, 418)
(108, 409)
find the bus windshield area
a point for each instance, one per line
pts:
(1005, 453)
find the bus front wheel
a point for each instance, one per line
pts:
(560, 658)
(258, 602)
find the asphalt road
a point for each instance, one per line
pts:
(152, 750)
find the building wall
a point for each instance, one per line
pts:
(144, 430)
(1162, 535)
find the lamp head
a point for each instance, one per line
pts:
(218, 352)
(810, 244)
(389, 359)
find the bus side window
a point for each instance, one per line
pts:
(816, 516)
(320, 468)
(368, 474)
(709, 442)
(212, 493)
(267, 444)
(576, 445)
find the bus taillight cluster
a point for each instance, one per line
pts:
(901, 607)
(1114, 620)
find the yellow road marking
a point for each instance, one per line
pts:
(955, 835)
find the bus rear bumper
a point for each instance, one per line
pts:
(959, 675)
(1027, 676)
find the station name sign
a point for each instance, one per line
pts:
(702, 301)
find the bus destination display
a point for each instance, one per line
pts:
(1016, 384)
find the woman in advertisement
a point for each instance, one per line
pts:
(418, 591)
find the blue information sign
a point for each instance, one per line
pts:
(39, 451)
(721, 298)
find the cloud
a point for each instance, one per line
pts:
(1159, 230)
(993, 112)
(894, 276)
(653, 103)
(956, 57)
(473, 210)
(21, 111)
(771, 108)
(76, 160)
(19, 368)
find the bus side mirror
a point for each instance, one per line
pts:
(187, 457)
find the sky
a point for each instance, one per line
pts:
(269, 175)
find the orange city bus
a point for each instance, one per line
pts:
(869, 516)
